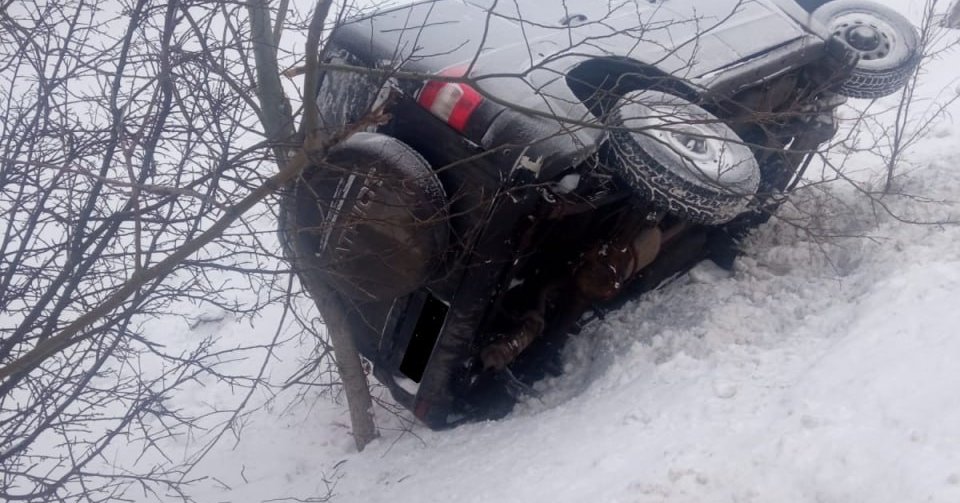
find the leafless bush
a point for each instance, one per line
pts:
(132, 164)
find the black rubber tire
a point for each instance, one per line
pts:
(882, 71)
(374, 216)
(644, 131)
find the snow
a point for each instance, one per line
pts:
(826, 368)
(790, 381)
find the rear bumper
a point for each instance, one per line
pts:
(490, 207)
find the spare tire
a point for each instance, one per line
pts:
(681, 158)
(886, 42)
(374, 215)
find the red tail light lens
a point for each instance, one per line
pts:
(451, 102)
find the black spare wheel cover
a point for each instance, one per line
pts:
(375, 216)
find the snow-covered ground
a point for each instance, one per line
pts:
(825, 369)
(817, 372)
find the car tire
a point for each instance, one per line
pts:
(374, 218)
(886, 42)
(681, 158)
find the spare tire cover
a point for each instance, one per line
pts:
(375, 216)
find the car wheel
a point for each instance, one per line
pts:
(681, 158)
(886, 42)
(373, 216)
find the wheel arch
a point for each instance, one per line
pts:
(599, 82)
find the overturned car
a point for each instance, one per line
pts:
(516, 166)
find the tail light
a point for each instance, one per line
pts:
(452, 102)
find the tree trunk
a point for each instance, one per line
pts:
(332, 310)
(277, 118)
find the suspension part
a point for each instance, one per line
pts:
(608, 267)
(503, 352)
